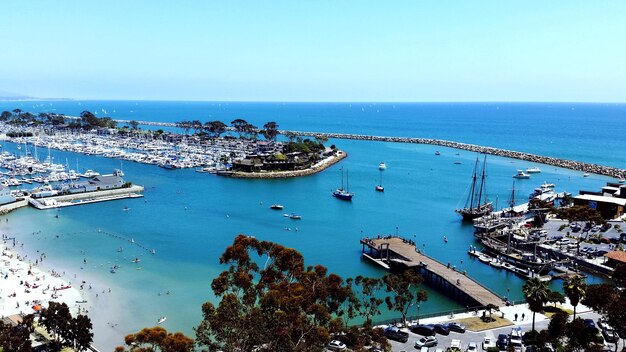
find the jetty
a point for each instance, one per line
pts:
(395, 252)
(532, 158)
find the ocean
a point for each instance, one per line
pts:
(189, 218)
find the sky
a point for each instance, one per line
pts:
(315, 50)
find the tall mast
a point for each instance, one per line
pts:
(342, 178)
(513, 196)
(347, 182)
(473, 185)
(482, 182)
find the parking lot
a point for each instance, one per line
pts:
(478, 337)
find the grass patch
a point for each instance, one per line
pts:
(549, 311)
(476, 324)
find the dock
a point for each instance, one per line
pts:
(393, 251)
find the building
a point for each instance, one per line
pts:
(615, 258)
(610, 202)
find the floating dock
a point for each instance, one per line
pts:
(391, 251)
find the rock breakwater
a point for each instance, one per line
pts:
(563, 163)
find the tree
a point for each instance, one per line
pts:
(83, 337)
(558, 324)
(16, 338)
(6, 115)
(240, 126)
(56, 319)
(556, 297)
(574, 288)
(406, 292)
(272, 301)
(185, 125)
(580, 337)
(157, 339)
(367, 302)
(270, 130)
(133, 124)
(88, 119)
(536, 293)
(215, 128)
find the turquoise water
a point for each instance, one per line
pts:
(189, 218)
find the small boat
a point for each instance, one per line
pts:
(533, 170)
(295, 217)
(161, 320)
(586, 174)
(458, 162)
(545, 184)
(112, 270)
(120, 249)
(622, 180)
(380, 188)
(521, 175)
(286, 215)
(276, 207)
(136, 260)
(484, 259)
(83, 301)
(437, 153)
(341, 193)
(382, 166)
(496, 263)
(126, 209)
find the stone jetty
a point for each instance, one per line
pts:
(533, 158)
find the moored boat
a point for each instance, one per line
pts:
(341, 193)
(276, 207)
(521, 175)
(295, 217)
(533, 170)
(477, 204)
(382, 166)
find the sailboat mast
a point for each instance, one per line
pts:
(347, 182)
(473, 185)
(513, 196)
(482, 183)
(342, 178)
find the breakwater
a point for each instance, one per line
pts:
(547, 160)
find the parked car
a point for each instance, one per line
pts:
(488, 342)
(589, 324)
(605, 240)
(605, 227)
(394, 333)
(426, 341)
(515, 338)
(594, 240)
(600, 253)
(610, 335)
(336, 345)
(502, 342)
(472, 347)
(532, 348)
(425, 330)
(456, 327)
(442, 329)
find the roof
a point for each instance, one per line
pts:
(106, 179)
(602, 199)
(619, 256)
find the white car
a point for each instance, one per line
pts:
(472, 347)
(336, 345)
(488, 342)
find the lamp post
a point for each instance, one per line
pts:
(418, 313)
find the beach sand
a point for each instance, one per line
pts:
(25, 284)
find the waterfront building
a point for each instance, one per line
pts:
(610, 202)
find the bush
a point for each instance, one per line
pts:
(493, 349)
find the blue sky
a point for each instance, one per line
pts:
(338, 50)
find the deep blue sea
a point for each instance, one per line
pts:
(190, 218)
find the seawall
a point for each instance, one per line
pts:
(96, 194)
(564, 163)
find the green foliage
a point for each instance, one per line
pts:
(270, 130)
(16, 338)
(405, 290)
(562, 227)
(558, 324)
(493, 349)
(580, 213)
(157, 339)
(19, 134)
(536, 293)
(269, 298)
(306, 146)
(575, 288)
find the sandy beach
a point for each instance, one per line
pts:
(27, 287)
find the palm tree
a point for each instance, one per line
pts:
(575, 289)
(536, 293)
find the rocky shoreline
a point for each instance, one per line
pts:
(320, 166)
(564, 163)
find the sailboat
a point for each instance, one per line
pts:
(341, 193)
(477, 204)
(380, 187)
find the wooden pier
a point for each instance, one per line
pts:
(393, 252)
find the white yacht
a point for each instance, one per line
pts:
(533, 170)
(521, 175)
(382, 166)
